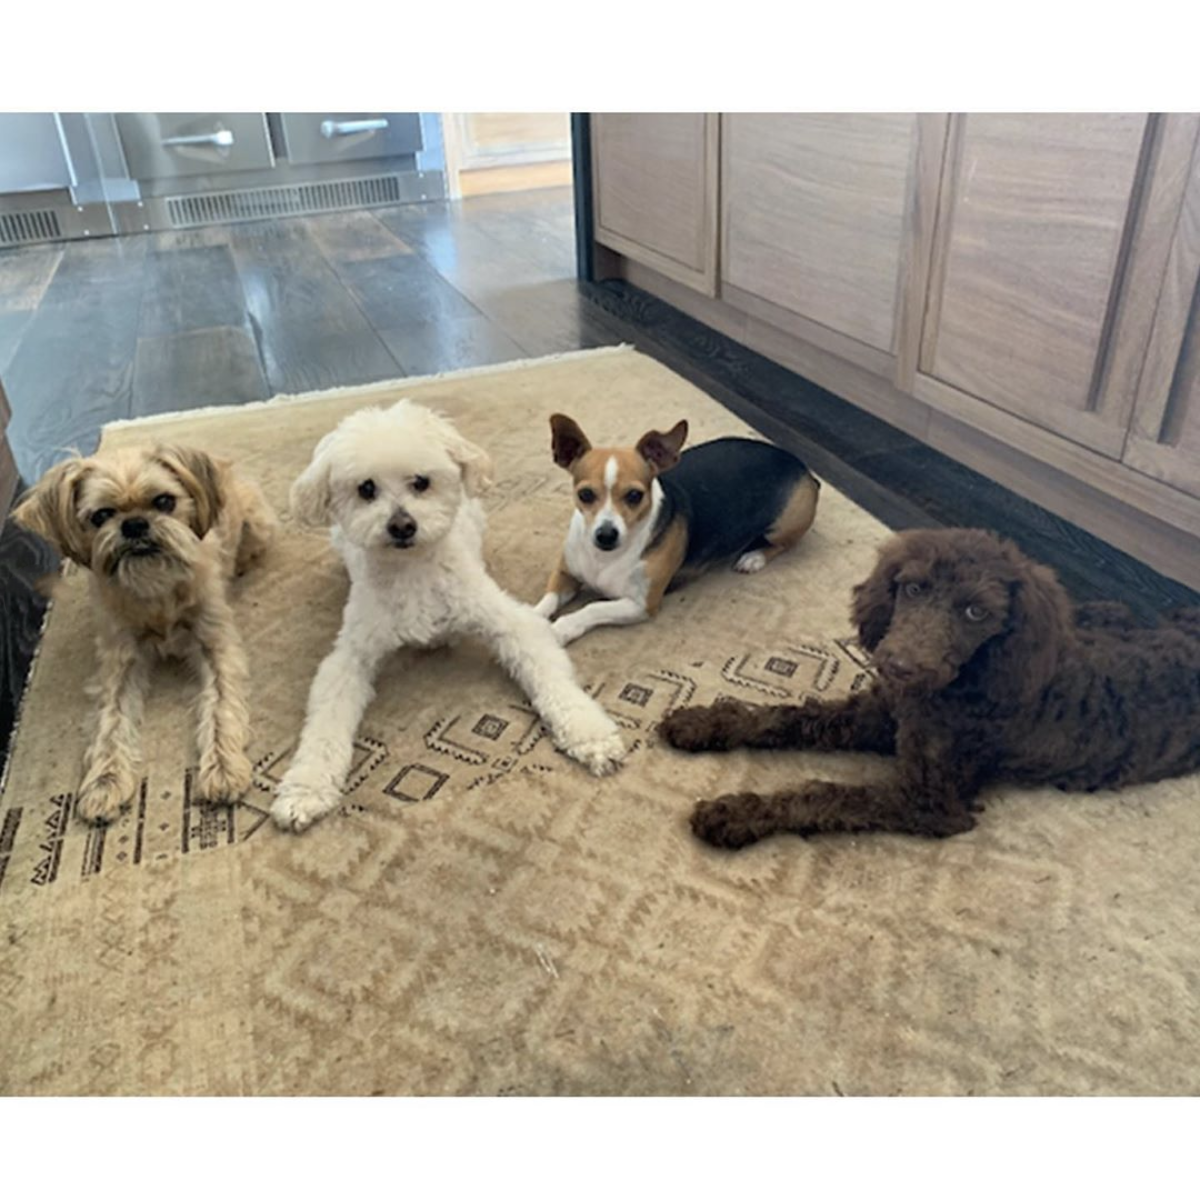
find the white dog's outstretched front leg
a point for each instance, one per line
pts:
(604, 611)
(113, 761)
(341, 691)
(528, 650)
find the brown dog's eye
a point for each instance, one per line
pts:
(913, 589)
(99, 517)
(366, 490)
(420, 483)
(164, 503)
(634, 497)
(975, 613)
(587, 495)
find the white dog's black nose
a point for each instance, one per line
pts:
(402, 528)
(607, 536)
(134, 527)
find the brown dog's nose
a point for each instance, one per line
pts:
(898, 668)
(134, 527)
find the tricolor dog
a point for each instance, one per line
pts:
(646, 517)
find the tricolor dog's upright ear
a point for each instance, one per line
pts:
(661, 450)
(50, 510)
(568, 442)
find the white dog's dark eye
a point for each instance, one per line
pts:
(164, 503)
(366, 490)
(99, 517)
(975, 613)
(913, 589)
(634, 497)
(587, 495)
(420, 483)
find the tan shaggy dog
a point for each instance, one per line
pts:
(162, 531)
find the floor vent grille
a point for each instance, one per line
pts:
(296, 199)
(20, 228)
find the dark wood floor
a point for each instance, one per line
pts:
(96, 331)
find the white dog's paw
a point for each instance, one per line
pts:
(750, 563)
(602, 756)
(298, 804)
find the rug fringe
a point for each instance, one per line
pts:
(368, 389)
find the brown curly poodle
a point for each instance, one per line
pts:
(985, 672)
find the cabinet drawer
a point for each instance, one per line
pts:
(313, 137)
(165, 145)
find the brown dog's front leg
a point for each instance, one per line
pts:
(859, 722)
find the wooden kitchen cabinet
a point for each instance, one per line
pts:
(818, 229)
(1034, 219)
(1164, 437)
(656, 191)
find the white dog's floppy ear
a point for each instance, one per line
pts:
(49, 509)
(310, 495)
(475, 464)
(201, 478)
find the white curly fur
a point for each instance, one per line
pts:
(433, 588)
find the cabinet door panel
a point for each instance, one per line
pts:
(1033, 227)
(655, 191)
(1164, 439)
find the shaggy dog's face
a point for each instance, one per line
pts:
(135, 517)
(391, 479)
(939, 600)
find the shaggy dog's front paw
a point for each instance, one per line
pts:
(697, 729)
(298, 804)
(728, 822)
(100, 800)
(221, 784)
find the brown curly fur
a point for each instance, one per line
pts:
(985, 672)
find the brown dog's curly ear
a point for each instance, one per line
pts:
(201, 477)
(661, 450)
(1022, 661)
(875, 599)
(568, 442)
(50, 509)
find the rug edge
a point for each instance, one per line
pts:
(367, 389)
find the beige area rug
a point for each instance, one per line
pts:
(485, 918)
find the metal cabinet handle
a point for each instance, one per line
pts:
(222, 138)
(333, 129)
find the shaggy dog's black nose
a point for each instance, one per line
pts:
(402, 529)
(134, 527)
(606, 536)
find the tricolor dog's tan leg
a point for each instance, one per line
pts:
(790, 525)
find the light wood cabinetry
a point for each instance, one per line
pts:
(1034, 215)
(1022, 291)
(814, 220)
(656, 191)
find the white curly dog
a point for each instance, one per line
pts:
(399, 485)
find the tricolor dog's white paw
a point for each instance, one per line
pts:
(298, 804)
(569, 628)
(750, 563)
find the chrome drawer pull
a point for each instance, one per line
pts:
(222, 138)
(333, 129)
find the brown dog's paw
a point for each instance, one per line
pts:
(222, 784)
(697, 729)
(727, 822)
